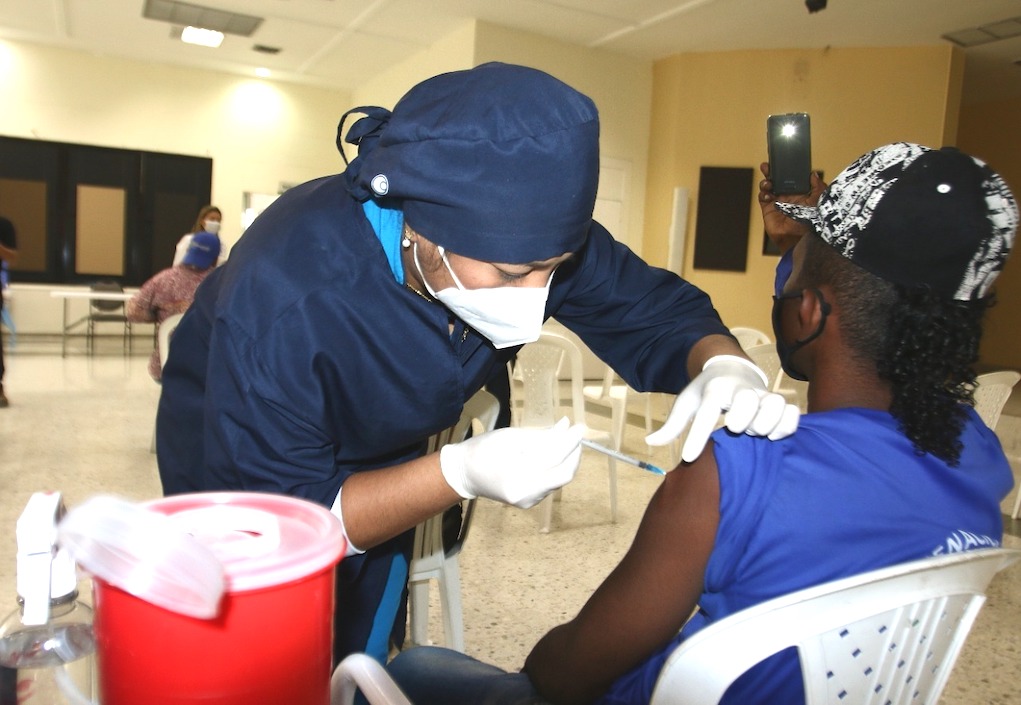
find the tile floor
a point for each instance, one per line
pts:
(83, 425)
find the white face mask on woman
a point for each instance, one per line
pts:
(506, 315)
(211, 226)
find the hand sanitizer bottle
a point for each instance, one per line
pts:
(46, 645)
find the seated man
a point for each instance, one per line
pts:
(882, 313)
(172, 290)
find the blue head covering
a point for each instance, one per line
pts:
(202, 251)
(498, 163)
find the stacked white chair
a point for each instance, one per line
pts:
(992, 390)
(430, 559)
(539, 364)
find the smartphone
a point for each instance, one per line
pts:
(789, 142)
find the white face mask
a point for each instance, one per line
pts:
(506, 315)
(211, 226)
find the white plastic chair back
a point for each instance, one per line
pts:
(429, 559)
(767, 359)
(992, 390)
(885, 637)
(613, 394)
(539, 364)
(748, 337)
(167, 327)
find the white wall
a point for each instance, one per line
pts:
(258, 133)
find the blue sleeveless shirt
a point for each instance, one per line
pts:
(846, 494)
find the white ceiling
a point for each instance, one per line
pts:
(341, 42)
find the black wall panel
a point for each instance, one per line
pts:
(721, 224)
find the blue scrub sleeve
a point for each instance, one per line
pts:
(261, 432)
(639, 319)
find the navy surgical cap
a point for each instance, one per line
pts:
(499, 163)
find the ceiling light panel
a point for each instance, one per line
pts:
(1004, 30)
(994, 31)
(183, 13)
(202, 37)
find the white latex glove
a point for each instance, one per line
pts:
(732, 384)
(516, 466)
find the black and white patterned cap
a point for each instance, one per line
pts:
(919, 216)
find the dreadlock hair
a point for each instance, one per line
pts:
(924, 345)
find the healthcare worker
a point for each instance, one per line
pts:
(359, 312)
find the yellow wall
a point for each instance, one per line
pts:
(991, 132)
(709, 109)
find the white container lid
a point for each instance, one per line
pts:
(262, 540)
(183, 552)
(141, 552)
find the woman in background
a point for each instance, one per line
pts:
(208, 221)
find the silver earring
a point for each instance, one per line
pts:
(405, 242)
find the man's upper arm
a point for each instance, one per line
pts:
(645, 600)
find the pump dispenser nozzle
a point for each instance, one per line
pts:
(47, 644)
(45, 572)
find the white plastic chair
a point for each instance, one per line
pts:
(360, 672)
(885, 637)
(539, 363)
(992, 390)
(615, 395)
(429, 559)
(767, 359)
(747, 337)
(889, 636)
(166, 329)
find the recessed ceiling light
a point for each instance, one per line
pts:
(202, 37)
(262, 72)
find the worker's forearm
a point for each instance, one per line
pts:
(708, 347)
(380, 504)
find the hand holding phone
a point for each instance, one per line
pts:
(789, 141)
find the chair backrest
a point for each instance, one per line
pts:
(767, 359)
(539, 364)
(747, 337)
(166, 330)
(106, 286)
(482, 409)
(992, 390)
(888, 636)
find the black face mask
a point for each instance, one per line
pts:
(785, 351)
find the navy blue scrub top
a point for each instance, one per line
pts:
(302, 361)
